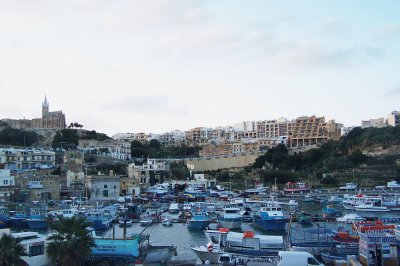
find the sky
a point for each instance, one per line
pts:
(156, 66)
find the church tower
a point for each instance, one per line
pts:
(45, 107)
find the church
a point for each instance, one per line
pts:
(49, 119)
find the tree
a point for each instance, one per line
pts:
(11, 250)
(72, 243)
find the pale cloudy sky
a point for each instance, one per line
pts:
(155, 66)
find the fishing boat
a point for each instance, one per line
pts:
(211, 208)
(393, 185)
(372, 206)
(349, 186)
(350, 218)
(304, 218)
(270, 217)
(99, 219)
(245, 247)
(329, 212)
(65, 213)
(256, 190)
(19, 216)
(134, 211)
(37, 218)
(199, 220)
(334, 200)
(291, 202)
(230, 218)
(296, 187)
(308, 198)
(351, 202)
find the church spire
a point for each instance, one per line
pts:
(45, 107)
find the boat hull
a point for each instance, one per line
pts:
(37, 224)
(18, 222)
(194, 224)
(372, 209)
(231, 223)
(273, 225)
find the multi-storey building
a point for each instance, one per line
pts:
(171, 138)
(48, 120)
(378, 122)
(7, 184)
(198, 136)
(33, 187)
(306, 131)
(393, 119)
(20, 159)
(102, 187)
(272, 128)
(119, 149)
(150, 172)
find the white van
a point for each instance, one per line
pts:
(298, 258)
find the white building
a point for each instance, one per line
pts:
(21, 159)
(153, 168)
(102, 187)
(172, 137)
(378, 122)
(393, 119)
(7, 184)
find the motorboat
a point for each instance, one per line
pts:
(166, 221)
(291, 202)
(246, 247)
(350, 218)
(349, 186)
(174, 208)
(329, 212)
(230, 218)
(393, 185)
(270, 217)
(296, 187)
(146, 221)
(359, 199)
(372, 206)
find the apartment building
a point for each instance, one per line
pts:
(173, 137)
(272, 128)
(150, 172)
(393, 119)
(306, 131)
(7, 185)
(198, 136)
(21, 159)
(376, 122)
(119, 149)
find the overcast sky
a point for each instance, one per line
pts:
(155, 66)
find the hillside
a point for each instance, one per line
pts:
(373, 154)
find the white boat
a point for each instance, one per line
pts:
(371, 206)
(359, 199)
(174, 208)
(290, 203)
(258, 189)
(393, 185)
(211, 207)
(65, 213)
(167, 221)
(245, 247)
(349, 186)
(350, 218)
(146, 221)
(125, 222)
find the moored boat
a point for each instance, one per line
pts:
(296, 187)
(270, 217)
(230, 218)
(350, 218)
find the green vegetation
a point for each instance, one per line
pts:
(11, 251)
(71, 243)
(85, 134)
(18, 137)
(179, 171)
(333, 156)
(66, 138)
(155, 150)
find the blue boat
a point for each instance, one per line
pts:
(18, 217)
(37, 218)
(99, 219)
(231, 218)
(4, 217)
(200, 218)
(329, 212)
(134, 211)
(271, 217)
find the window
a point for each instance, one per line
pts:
(105, 193)
(105, 186)
(115, 186)
(36, 250)
(5, 182)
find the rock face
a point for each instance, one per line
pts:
(382, 151)
(46, 135)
